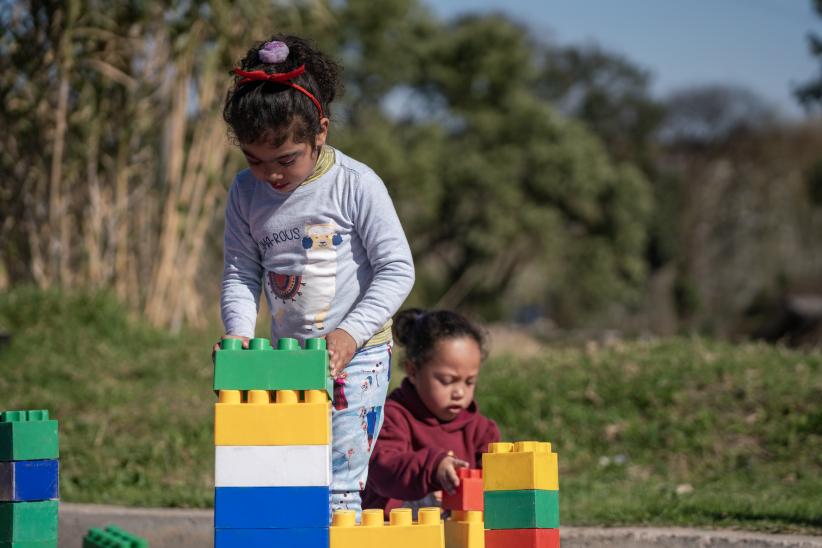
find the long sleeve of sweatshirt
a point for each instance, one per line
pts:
(396, 470)
(242, 269)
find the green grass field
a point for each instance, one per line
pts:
(680, 431)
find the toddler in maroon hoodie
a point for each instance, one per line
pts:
(432, 424)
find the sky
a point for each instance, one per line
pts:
(758, 44)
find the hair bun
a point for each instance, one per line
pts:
(273, 52)
(406, 323)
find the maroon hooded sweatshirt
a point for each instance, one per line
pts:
(413, 442)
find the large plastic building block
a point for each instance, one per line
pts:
(51, 543)
(521, 465)
(262, 368)
(468, 496)
(112, 537)
(29, 480)
(465, 529)
(522, 538)
(28, 521)
(28, 435)
(271, 507)
(272, 465)
(288, 421)
(401, 532)
(314, 537)
(526, 509)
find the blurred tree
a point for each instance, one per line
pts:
(610, 94)
(504, 189)
(810, 93)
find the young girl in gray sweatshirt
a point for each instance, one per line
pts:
(317, 231)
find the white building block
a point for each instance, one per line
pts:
(272, 466)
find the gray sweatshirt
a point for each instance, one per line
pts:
(330, 254)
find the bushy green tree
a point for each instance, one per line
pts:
(810, 93)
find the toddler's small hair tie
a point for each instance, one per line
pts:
(273, 52)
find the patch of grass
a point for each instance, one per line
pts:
(682, 431)
(679, 431)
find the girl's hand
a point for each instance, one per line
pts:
(341, 347)
(217, 344)
(447, 473)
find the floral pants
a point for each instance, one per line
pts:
(356, 419)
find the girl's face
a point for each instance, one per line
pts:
(446, 383)
(286, 166)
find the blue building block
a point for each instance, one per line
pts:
(315, 537)
(271, 507)
(29, 480)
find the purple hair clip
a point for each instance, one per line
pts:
(273, 52)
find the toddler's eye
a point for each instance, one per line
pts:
(288, 162)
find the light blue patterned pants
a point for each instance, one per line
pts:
(356, 419)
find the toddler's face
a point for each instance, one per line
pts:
(286, 166)
(446, 383)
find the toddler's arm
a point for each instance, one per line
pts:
(396, 471)
(242, 268)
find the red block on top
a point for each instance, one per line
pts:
(468, 495)
(522, 538)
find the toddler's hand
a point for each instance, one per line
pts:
(447, 473)
(217, 344)
(341, 347)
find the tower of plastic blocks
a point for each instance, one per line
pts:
(272, 434)
(29, 466)
(521, 495)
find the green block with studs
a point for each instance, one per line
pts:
(28, 435)
(112, 537)
(28, 521)
(522, 509)
(261, 367)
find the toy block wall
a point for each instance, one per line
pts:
(465, 529)
(272, 437)
(401, 531)
(29, 479)
(521, 495)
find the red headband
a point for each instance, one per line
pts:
(283, 78)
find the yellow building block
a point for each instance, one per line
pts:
(465, 529)
(520, 465)
(258, 421)
(400, 532)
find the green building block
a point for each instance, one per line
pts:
(28, 435)
(51, 543)
(28, 521)
(112, 537)
(263, 368)
(524, 509)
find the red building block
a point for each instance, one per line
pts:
(522, 538)
(468, 495)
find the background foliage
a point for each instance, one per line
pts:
(533, 180)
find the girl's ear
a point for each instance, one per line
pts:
(410, 371)
(321, 137)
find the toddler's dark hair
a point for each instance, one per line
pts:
(266, 110)
(418, 331)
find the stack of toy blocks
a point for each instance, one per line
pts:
(401, 531)
(112, 537)
(521, 484)
(464, 528)
(29, 489)
(272, 432)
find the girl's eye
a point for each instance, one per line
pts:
(286, 163)
(252, 162)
